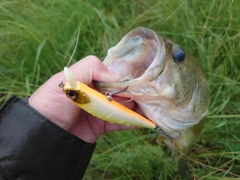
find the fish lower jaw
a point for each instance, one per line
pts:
(167, 123)
(172, 126)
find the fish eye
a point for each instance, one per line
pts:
(71, 94)
(178, 54)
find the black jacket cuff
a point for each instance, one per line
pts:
(32, 147)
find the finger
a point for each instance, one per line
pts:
(91, 68)
(117, 127)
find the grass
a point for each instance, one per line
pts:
(33, 34)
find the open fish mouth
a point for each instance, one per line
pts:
(167, 84)
(137, 58)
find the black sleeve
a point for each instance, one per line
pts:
(34, 148)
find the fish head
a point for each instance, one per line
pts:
(167, 83)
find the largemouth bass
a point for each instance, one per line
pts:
(168, 84)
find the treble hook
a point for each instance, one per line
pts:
(161, 131)
(109, 95)
(129, 99)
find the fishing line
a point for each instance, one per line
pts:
(61, 84)
(75, 48)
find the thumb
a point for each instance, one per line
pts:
(105, 75)
(91, 68)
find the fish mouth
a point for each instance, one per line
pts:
(138, 58)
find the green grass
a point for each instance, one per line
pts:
(34, 33)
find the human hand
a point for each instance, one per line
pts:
(51, 102)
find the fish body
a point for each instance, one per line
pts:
(167, 83)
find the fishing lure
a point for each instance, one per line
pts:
(101, 106)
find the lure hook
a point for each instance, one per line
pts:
(129, 99)
(161, 131)
(109, 95)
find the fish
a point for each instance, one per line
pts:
(167, 83)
